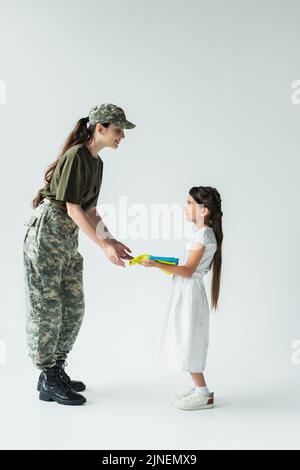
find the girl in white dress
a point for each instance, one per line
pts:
(185, 331)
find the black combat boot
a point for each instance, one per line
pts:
(54, 388)
(76, 385)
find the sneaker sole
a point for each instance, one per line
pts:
(48, 397)
(202, 407)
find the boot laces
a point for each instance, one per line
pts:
(62, 364)
(60, 379)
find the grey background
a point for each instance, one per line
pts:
(208, 85)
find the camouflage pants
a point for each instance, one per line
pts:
(53, 274)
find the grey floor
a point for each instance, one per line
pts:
(133, 411)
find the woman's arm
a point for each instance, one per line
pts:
(95, 218)
(84, 223)
(101, 228)
(114, 250)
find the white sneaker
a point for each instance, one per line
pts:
(195, 400)
(181, 395)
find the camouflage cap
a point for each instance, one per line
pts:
(107, 112)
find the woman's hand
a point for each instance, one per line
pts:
(150, 263)
(115, 251)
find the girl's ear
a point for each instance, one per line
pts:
(206, 211)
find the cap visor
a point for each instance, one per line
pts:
(125, 124)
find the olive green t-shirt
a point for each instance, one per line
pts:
(77, 178)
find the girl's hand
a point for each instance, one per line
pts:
(150, 263)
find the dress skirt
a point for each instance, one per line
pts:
(185, 329)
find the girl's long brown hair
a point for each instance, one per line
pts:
(81, 134)
(211, 199)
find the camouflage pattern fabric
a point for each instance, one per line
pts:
(53, 275)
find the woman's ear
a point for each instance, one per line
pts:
(99, 128)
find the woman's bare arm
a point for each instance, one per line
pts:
(84, 222)
(113, 251)
(96, 219)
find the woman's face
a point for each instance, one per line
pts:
(110, 136)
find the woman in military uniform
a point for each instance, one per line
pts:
(53, 267)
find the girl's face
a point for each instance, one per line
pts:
(194, 212)
(110, 136)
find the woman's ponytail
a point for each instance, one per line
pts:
(82, 133)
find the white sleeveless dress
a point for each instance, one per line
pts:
(185, 329)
